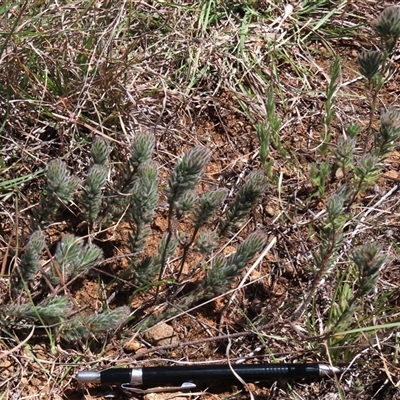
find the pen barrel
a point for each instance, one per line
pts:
(223, 373)
(116, 375)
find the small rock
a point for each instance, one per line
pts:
(161, 335)
(132, 346)
(339, 174)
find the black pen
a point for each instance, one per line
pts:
(153, 376)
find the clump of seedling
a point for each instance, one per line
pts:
(133, 198)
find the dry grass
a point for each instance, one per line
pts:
(198, 73)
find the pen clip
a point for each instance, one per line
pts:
(127, 388)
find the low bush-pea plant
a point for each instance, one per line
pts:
(133, 198)
(95, 181)
(29, 264)
(356, 271)
(357, 159)
(73, 258)
(59, 190)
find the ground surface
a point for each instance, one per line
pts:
(197, 74)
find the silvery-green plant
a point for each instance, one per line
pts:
(145, 270)
(92, 189)
(219, 276)
(184, 205)
(118, 196)
(207, 241)
(223, 269)
(73, 258)
(183, 179)
(367, 168)
(59, 190)
(61, 185)
(100, 151)
(248, 195)
(330, 239)
(388, 134)
(142, 204)
(49, 312)
(134, 198)
(91, 198)
(186, 175)
(140, 152)
(368, 260)
(94, 326)
(207, 204)
(366, 172)
(344, 154)
(370, 61)
(25, 271)
(55, 314)
(387, 27)
(374, 65)
(205, 208)
(359, 172)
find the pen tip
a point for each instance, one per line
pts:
(329, 370)
(88, 376)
